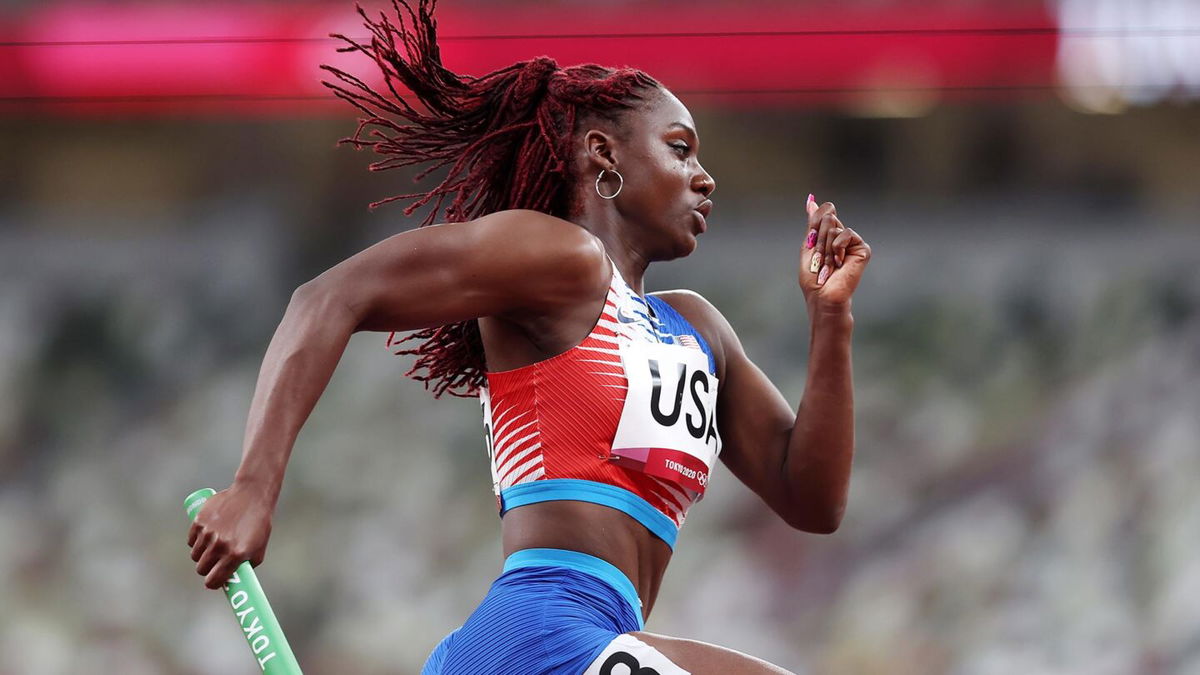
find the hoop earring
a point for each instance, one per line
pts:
(620, 185)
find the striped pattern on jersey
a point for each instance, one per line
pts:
(556, 419)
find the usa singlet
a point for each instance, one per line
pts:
(625, 419)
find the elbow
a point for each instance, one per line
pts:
(308, 295)
(305, 292)
(320, 286)
(321, 298)
(828, 526)
(817, 520)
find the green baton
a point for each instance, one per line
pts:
(253, 612)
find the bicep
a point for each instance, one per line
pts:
(504, 264)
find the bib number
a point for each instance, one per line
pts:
(668, 427)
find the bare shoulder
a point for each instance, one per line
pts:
(527, 221)
(511, 264)
(538, 230)
(564, 258)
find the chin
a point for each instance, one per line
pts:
(687, 246)
(679, 242)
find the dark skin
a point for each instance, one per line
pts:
(542, 298)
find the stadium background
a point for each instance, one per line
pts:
(1026, 347)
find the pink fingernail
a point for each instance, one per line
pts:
(812, 239)
(811, 198)
(823, 276)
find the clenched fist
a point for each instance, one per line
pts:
(833, 259)
(233, 527)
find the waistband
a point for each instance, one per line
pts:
(580, 562)
(574, 489)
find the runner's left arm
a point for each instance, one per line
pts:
(798, 462)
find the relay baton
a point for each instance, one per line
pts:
(259, 626)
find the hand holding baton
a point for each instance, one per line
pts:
(249, 604)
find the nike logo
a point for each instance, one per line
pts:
(623, 317)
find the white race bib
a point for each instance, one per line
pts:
(627, 655)
(668, 427)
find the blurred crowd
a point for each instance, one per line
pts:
(1026, 349)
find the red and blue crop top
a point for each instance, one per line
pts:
(625, 419)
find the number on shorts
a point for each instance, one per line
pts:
(627, 659)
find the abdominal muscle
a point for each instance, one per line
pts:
(603, 532)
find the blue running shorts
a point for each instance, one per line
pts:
(551, 611)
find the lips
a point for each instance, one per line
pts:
(702, 211)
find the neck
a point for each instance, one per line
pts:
(631, 262)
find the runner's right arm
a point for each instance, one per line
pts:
(511, 264)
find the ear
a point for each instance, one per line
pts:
(598, 146)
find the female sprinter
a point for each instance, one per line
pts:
(601, 403)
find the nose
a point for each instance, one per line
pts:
(704, 183)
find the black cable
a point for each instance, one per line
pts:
(916, 32)
(258, 98)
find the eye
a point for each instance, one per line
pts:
(681, 147)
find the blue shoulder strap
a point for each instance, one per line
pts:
(680, 329)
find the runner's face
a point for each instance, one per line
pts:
(664, 181)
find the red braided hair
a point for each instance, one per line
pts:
(506, 137)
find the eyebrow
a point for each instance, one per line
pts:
(683, 126)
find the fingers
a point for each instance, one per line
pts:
(829, 228)
(816, 213)
(211, 557)
(193, 532)
(818, 226)
(219, 561)
(201, 542)
(832, 244)
(829, 240)
(810, 237)
(823, 228)
(216, 559)
(842, 242)
(826, 233)
(220, 573)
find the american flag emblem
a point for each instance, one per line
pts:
(688, 341)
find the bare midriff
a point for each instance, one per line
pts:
(596, 530)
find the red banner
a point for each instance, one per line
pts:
(216, 58)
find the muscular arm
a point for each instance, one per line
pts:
(299, 361)
(820, 448)
(511, 264)
(507, 264)
(799, 463)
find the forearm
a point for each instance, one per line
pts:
(821, 445)
(298, 364)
